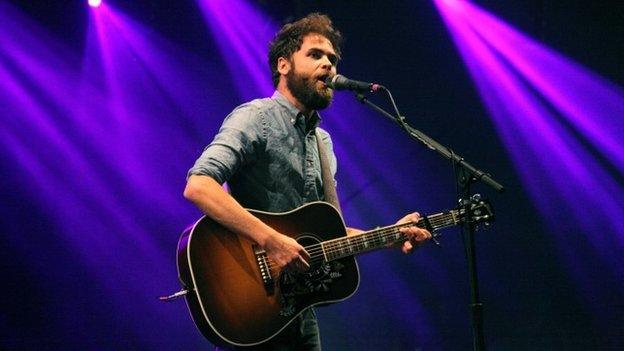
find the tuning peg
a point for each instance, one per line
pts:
(463, 202)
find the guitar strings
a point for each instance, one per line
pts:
(376, 237)
(436, 222)
(319, 256)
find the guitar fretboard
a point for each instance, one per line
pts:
(383, 237)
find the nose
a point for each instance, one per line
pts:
(326, 63)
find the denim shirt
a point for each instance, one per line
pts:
(268, 155)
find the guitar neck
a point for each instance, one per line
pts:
(383, 237)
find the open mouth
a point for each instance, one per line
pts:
(323, 78)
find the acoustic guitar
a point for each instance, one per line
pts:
(236, 295)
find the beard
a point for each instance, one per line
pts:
(305, 90)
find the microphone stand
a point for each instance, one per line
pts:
(465, 175)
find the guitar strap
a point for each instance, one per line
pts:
(329, 187)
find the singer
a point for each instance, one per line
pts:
(267, 151)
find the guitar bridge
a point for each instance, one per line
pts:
(265, 270)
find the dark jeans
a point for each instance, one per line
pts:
(301, 334)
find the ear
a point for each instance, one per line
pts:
(283, 65)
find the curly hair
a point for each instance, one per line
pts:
(289, 39)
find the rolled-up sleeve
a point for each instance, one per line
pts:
(329, 146)
(240, 139)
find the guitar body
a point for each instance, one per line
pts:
(235, 295)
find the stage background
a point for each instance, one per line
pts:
(104, 111)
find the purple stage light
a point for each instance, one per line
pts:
(242, 32)
(95, 3)
(562, 126)
(580, 95)
(86, 136)
(452, 3)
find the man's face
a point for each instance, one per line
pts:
(315, 61)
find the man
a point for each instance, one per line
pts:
(267, 152)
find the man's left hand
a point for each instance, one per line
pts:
(417, 236)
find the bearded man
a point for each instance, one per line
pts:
(267, 152)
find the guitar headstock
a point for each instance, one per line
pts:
(476, 210)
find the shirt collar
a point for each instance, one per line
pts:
(293, 113)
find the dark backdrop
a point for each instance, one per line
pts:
(56, 297)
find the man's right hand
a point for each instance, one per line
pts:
(287, 253)
(209, 196)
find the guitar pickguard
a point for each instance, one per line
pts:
(317, 279)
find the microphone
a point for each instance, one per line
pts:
(340, 82)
